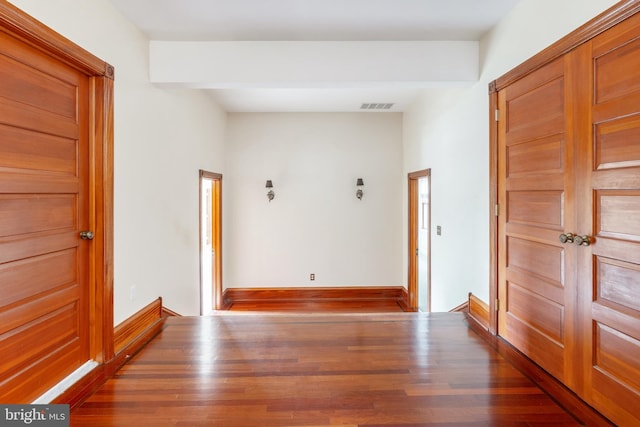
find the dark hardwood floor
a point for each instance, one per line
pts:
(267, 369)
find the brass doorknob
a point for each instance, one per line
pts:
(86, 235)
(583, 240)
(564, 238)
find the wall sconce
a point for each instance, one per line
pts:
(359, 185)
(270, 193)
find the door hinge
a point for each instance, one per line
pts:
(497, 209)
(497, 115)
(497, 305)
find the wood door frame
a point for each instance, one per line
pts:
(217, 215)
(412, 281)
(586, 32)
(18, 24)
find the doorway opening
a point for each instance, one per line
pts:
(419, 283)
(210, 241)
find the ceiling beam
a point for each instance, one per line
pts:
(367, 64)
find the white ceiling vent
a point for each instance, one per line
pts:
(376, 106)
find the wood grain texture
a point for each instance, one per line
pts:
(609, 268)
(404, 301)
(102, 186)
(401, 369)
(535, 289)
(494, 206)
(594, 159)
(462, 308)
(169, 313)
(561, 393)
(479, 311)
(612, 143)
(45, 295)
(57, 147)
(136, 325)
(37, 34)
(348, 299)
(131, 336)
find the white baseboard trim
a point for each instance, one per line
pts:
(67, 382)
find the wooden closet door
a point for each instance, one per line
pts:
(535, 194)
(44, 204)
(609, 196)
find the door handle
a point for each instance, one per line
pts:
(583, 240)
(86, 235)
(567, 238)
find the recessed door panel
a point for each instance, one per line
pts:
(537, 156)
(539, 313)
(617, 282)
(543, 261)
(612, 143)
(536, 208)
(618, 214)
(23, 150)
(33, 276)
(37, 213)
(612, 80)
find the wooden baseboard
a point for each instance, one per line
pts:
(127, 331)
(404, 301)
(479, 311)
(462, 308)
(129, 338)
(550, 385)
(256, 296)
(169, 313)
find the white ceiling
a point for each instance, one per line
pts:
(313, 20)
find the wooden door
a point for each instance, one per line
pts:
(415, 224)
(44, 204)
(609, 200)
(536, 289)
(210, 241)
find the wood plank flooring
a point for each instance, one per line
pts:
(265, 369)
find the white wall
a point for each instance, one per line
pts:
(315, 224)
(448, 131)
(162, 139)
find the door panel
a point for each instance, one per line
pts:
(613, 150)
(44, 275)
(541, 155)
(538, 312)
(610, 198)
(533, 282)
(617, 214)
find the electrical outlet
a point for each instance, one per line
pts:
(439, 230)
(132, 292)
(312, 276)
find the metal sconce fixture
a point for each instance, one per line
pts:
(359, 185)
(270, 193)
